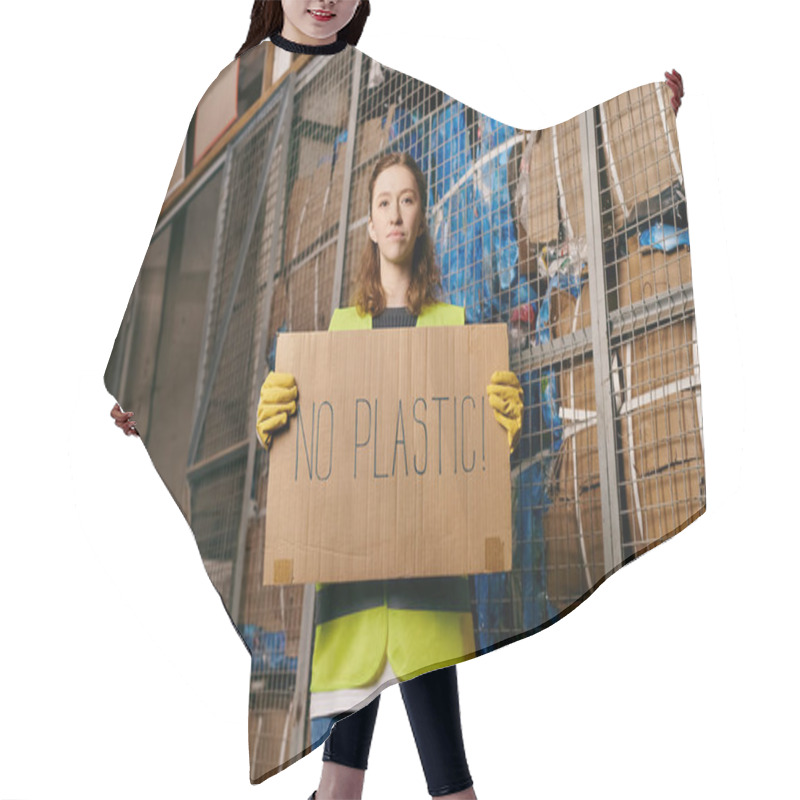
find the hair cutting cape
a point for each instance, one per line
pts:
(574, 237)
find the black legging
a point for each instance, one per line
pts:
(433, 711)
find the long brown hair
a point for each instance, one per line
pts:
(426, 280)
(266, 19)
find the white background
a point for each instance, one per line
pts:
(121, 675)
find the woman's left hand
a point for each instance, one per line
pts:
(675, 82)
(124, 420)
(505, 398)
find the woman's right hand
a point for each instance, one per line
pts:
(277, 403)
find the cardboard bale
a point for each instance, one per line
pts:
(536, 198)
(645, 273)
(537, 195)
(266, 730)
(280, 306)
(576, 388)
(571, 171)
(332, 199)
(637, 144)
(373, 136)
(314, 147)
(304, 214)
(658, 357)
(359, 193)
(578, 456)
(665, 432)
(311, 228)
(659, 505)
(310, 289)
(568, 314)
(574, 556)
(393, 466)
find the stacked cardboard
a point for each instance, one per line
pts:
(309, 291)
(661, 434)
(573, 527)
(267, 730)
(314, 211)
(373, 136)
(551, 173)
(640, 147)
(573, 524)
(304, 218)
(645, 273)
(659, 431)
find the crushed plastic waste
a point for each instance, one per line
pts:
(668, 208)
(267, 650)
(664, 237)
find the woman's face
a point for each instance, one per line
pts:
(315, 21)
(396, 217)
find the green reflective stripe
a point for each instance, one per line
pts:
(441, 314)
(418, 594)
(348, 319)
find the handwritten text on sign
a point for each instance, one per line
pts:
(316, 435)
(394, 465)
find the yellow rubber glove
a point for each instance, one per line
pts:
(505, 398)
(277, 403)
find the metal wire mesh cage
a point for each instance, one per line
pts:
(576, 237)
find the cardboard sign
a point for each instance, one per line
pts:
(393, 466)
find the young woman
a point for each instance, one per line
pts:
(431, 620)
(371, 632)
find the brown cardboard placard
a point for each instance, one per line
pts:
(394, 465)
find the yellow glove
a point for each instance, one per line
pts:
(278, 395)
(505, 398)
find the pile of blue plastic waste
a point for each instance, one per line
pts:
(267, 651)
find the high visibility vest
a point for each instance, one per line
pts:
(419, 624)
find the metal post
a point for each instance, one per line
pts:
(341, 242)
(248, 504)
(606, 437)
(215, 276)
(303, 674)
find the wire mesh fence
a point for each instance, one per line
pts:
(575, 236)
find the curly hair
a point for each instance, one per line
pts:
(266, 19)
(426, 281)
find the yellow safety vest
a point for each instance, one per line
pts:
(349, 648)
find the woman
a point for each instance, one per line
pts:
(372, 632)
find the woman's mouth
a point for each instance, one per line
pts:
(322, 16)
